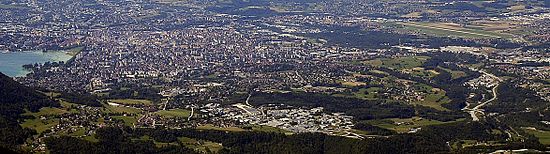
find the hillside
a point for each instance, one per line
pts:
(14, 99)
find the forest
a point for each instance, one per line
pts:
(432, 139)
(15, 99)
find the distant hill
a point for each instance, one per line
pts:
(14, 99)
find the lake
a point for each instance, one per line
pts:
(11, 63)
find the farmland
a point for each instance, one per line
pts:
(180, 113)
(453, 30)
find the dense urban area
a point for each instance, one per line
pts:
(277, 76)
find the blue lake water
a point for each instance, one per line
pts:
(11, 63)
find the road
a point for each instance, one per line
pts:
(247, 99)
(191, 115)
(477, 109)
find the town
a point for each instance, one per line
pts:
(357, 70)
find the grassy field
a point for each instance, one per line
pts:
(413, 15)
(181, 113)
(352, 84)
(421, 72)
(200, 145)
(51, 94)
(270, 129)
(77, 132)
(46, 111)
(39, 125)
(211, 127)
(435, 99)
(450, 29)
(399, 63)
(131, 101)
(128, 120)
(379, 72)
(406, 125)
(454, 74)
(543, 136)
(91, 139)
(121, 109)
(367, 93)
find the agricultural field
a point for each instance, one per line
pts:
(352, 83)
(370, 93)
(454, 74)
(543, 136)
(434, 100)
(263, 128)
(122, 109)
(91, 138)
(179, 113)
(40, 125)
(46, 111)
(405, 125)
(200, 145)
(131, 101)
(128, 120)
(399, 63)
(75, 131)
(421, 72)
(452, 30)
(212, 127)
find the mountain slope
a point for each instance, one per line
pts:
(14, 99)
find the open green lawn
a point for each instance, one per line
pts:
(91, 138)
(444, 30)
(263, 128)
(367, 93)
(122, 109)
(46, 111)
(379, 72)
(181, 113)
(66, 105)
(131, 101)
(399, 63)
(543, 136)
(200, 145)
(39, 125)
(211, 127)
(407, 123)
(51, 94)
(421, 72)
(77, 132)
(128, 120)
(351, 84)
(454, 74)
(434, 100)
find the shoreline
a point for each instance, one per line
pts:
(11, 63)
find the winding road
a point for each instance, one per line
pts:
(191, 115)
(477, 109)
(247, 99)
